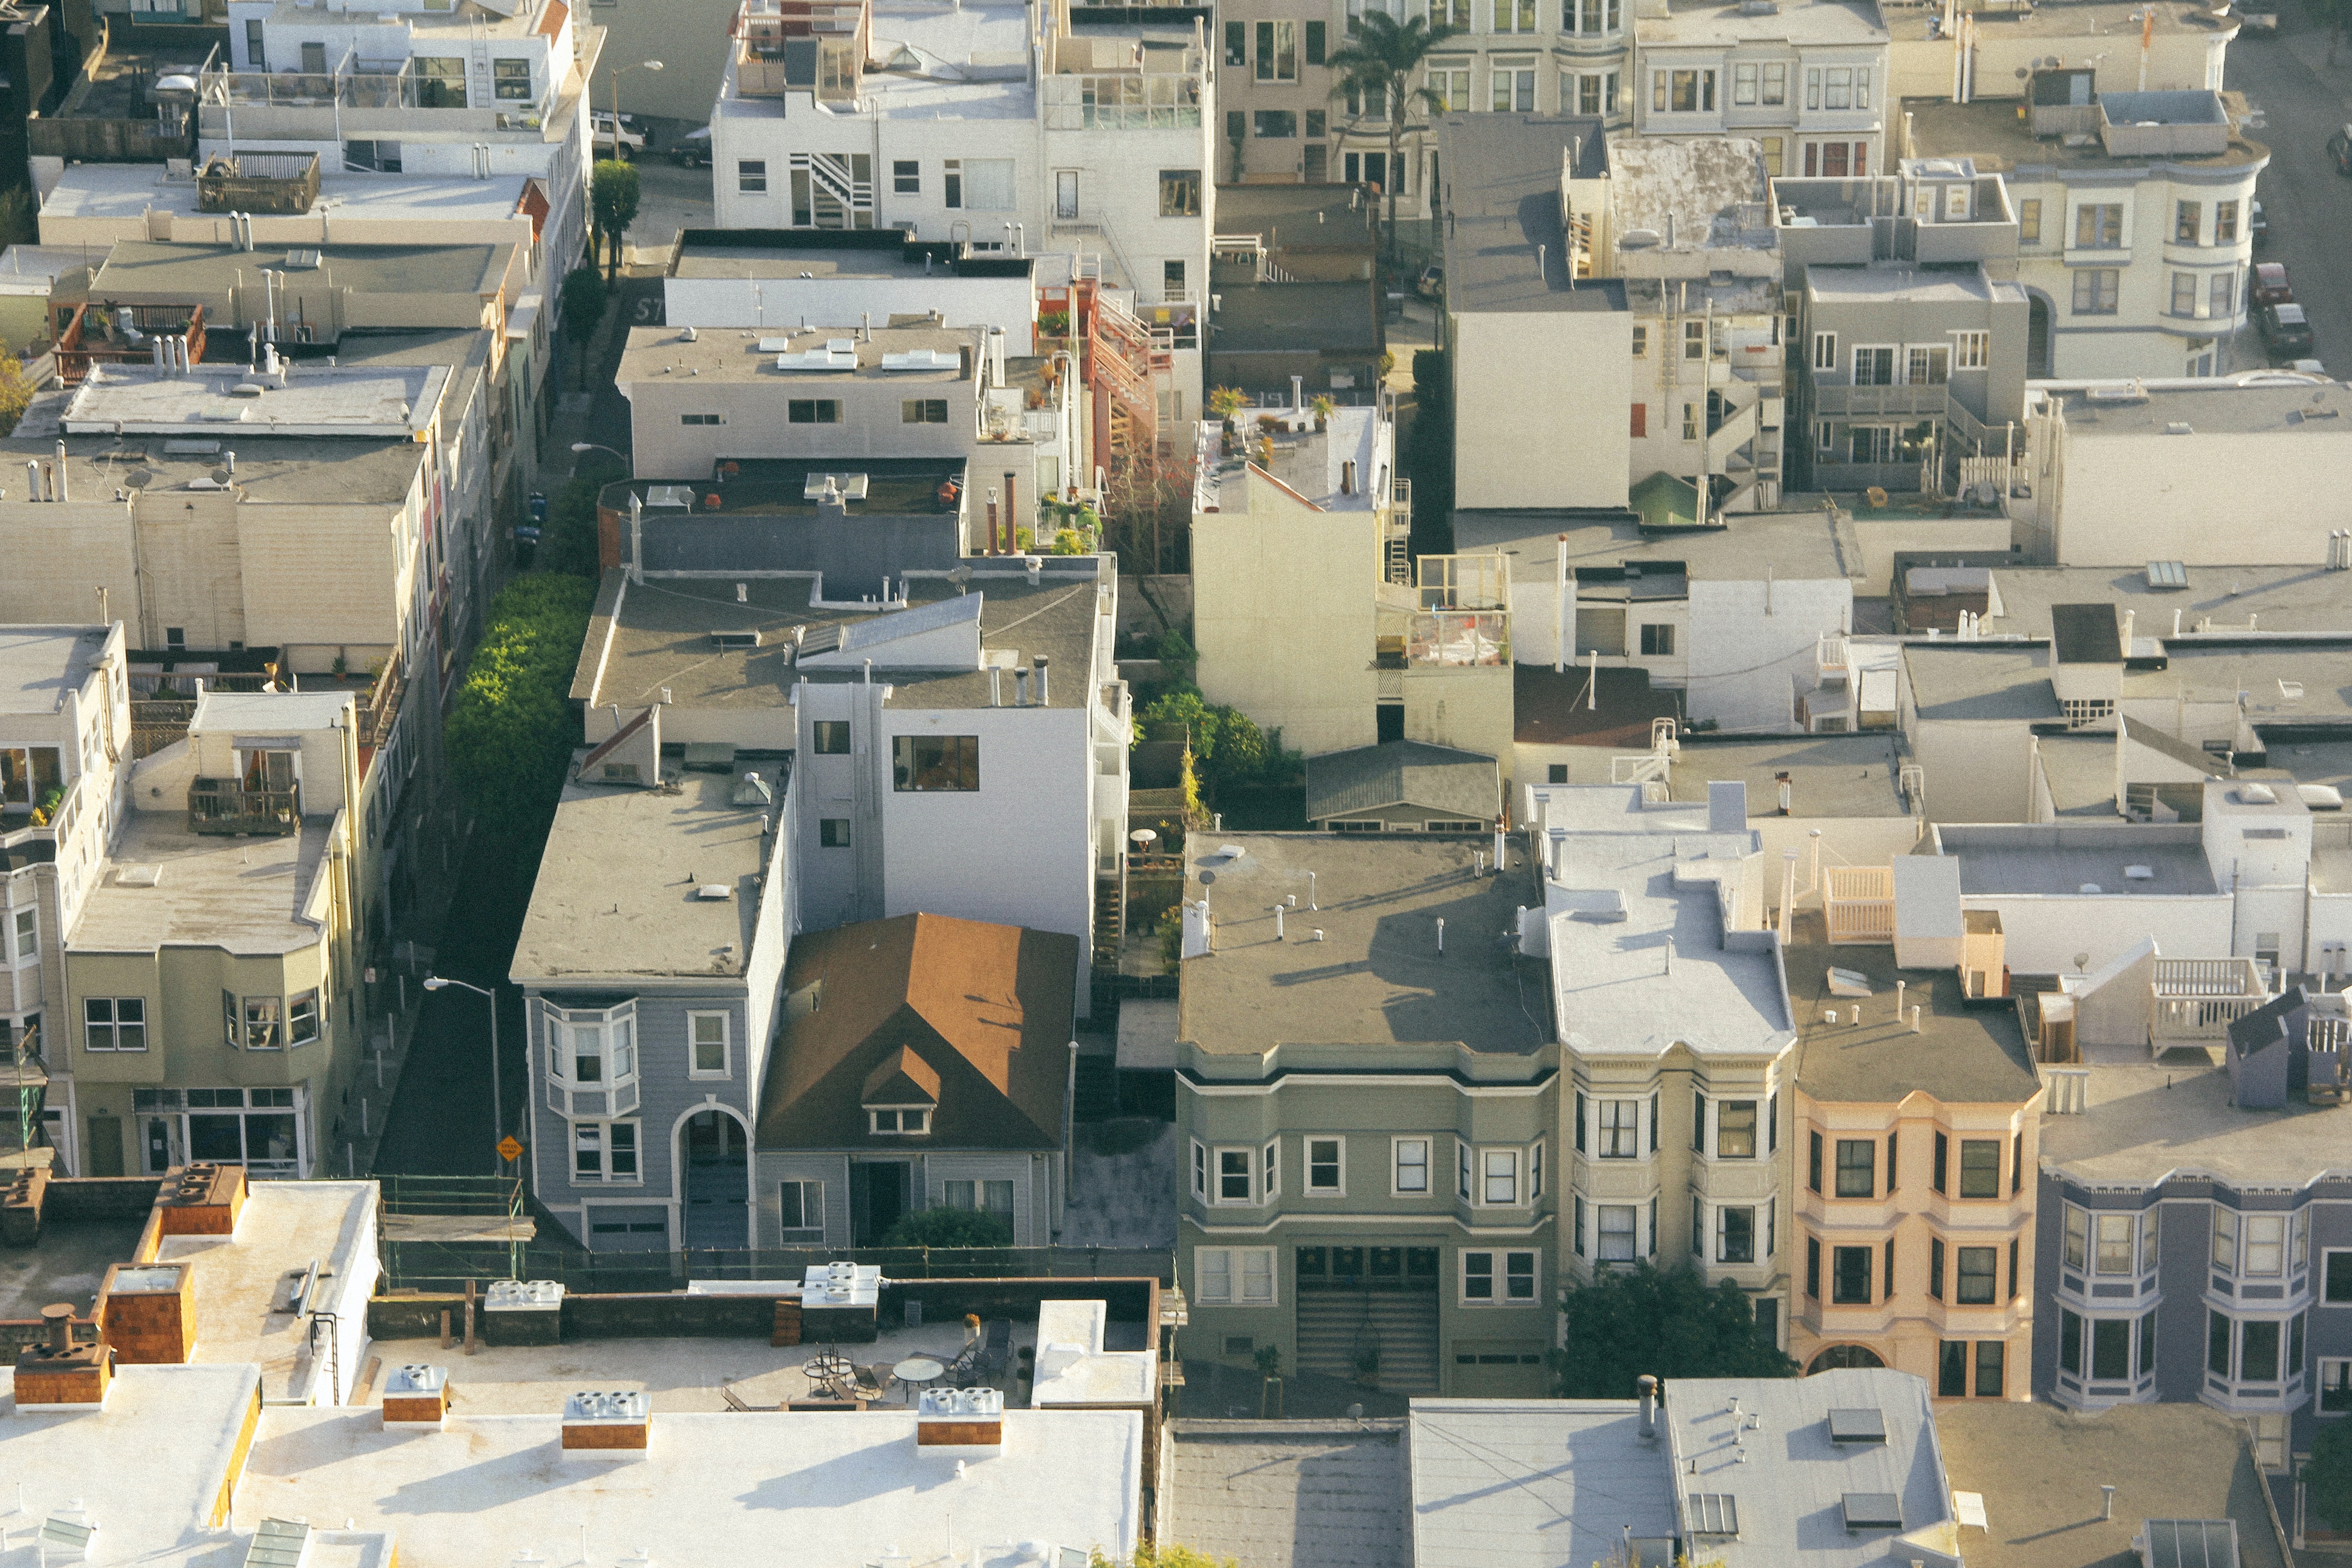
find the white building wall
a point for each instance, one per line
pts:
(1540, 408)
(1747, 660)
(1976, 772)
(2250, 499)
(778, 304)
(2041, 933)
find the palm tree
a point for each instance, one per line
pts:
(1378, 64)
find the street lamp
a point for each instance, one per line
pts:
(641, 65)
(498, 1109)
(580, 446)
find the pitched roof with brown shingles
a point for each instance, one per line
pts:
(979, 1014)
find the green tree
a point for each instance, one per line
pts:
(511, 730)
(568, 542)
(948, 1227)
(613, 196)
(15, 392)
(1427, 454)
(2329, 1474)
(1377, 65)
(1667, 1323)
(584, 310)
(20, 220)
(1167, 1554)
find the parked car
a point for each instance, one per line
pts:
(2339, 147)
(2270, 285)
(1430, 284)
(692, 151)
(631, 138)
(2258, 226)
(2286, 331)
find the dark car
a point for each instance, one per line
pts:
(2258, 226)
(2285, 332)
(692, 151)
(2339, 147)
(2270, 286)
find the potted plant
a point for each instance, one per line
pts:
(1321, 408)
(1269, 1372)
(1224, 401)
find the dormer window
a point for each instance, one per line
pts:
(899, 1096)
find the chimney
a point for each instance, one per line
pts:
(992, 522)
(1012, 538)
(866, 326)
(416, 1395)
(2106, 1502)
(2128, 619)
(1649, 1387)
(1298, 390)
(1020, 687)
(1036, 565)
(55, 1374)
(1040, 662)
(57, 1317)
(1785, 791)
(614, 1425)
(995, 686)
(63, 493)
(31, 480)
(228, 461)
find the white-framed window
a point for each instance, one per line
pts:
(1409, 1159)
(1743, 83)
(800, 1205)
(1274, 1169)
(24, 935)
(120, 1024)
(1535, 1170)
(1926, 364)
(1498, 1177)
(2261, 1246)
(1500, 1279)
(302, 1018)
(707, 1042)
(1512, 89)
(604, 1152)
(899, 1120)
(986, 1197)
(1735, 1234)
(2335, 1276)
(1199, 1170)
(1237, 1176)
(591, 1046)
(1620, 1130)
(1825, 354)
(2335, 1385)
(1235, 1276)
(1971, 350)
(1462, 1170)
(1613, 1238)
(1326, 1166)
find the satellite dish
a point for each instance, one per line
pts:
(1207, 877)
(2082, 961)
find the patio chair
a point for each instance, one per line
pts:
(996, 1352)
(964, 1371)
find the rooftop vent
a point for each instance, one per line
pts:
(838, 354)
(2168, 575)
(138, 875)
(734, 640)
(1873, 1511)
(670, 495)
(600, 1425)
(1849, 983)
(848, 487)
(714, 892)
(2139, 873)
(774, 345)
(2257, 794)
(921, 359)
(1857, 1425)
(301, 261)
(1714, 1514)
(416, 1394)
(278, 1543)
(2180, 428)
(2290, 691)
(67, 1536)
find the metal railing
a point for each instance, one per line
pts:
(88, 339)
(433, 1266)
(484, 1196)
(227, 806)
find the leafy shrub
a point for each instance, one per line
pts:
(948, 1227)
(511, 730)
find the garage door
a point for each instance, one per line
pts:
(1497, 1369)
(628, 1227)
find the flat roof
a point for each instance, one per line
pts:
(786, 254)
(1503, 177)
(1290, 1494)
(39, 665)
(1960, 1055)
(1793, 544)
(389, 401)
(2056, 857)
(1792, 1482)
(1311, 464)
(1700, 182)
(618, 891)
(1814, 22)
(1640, 960)
(128, 191)
(2059, 19)
(240, 1279)
(734, 354)
(971, 63)
(2279, 598)
(2284, 681)
(1978, 682)
(1547, 708)
(321, 470)
(242, 895)
(1534, 1483)
(2039, 1466)
(1959, 284)
(1300, 216)
(1853, 774)
(146, 267)
(2081, 773)
(1991, 132)
(1376, 976)
(2272, 402)
(846, 1490)
(1295, 318)
(645, 636)
(2147, 1120)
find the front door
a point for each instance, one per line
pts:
(160, 1136)
(717, 1181)
(878, 1197)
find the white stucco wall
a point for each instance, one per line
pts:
(2246, 498)
(2041, 933)
(1745, 662)
(1540, 408)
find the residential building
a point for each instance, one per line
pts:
(2132, 219)
(1808, 81)
(2004, 596)
(703, 402)
(978, 705)
(2129, 472)
(650, 961)
(95, 97)
(1403, 786)
(1917, 1115)
(1539, 416)
(1326, 234)
(217, 969)
(1071, 129)
(1913, 334)
(1369, 1124)
(1677, 1037)
(1738, 617)
(41, 51)
(1837, 1469)
(414, 90)
(1944, 51)
(334, 538)
(921, 1062)
(1276, 90)
(2194, 1236)
(1287, 344)
(2179, 1474)
(98, 204)
(64, 731)
(1302, 611)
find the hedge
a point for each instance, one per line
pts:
(512, 731)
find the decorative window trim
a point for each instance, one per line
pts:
(726, 1068)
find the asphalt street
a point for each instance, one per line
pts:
(2296, 101)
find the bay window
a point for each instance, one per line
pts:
(591, 1059)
